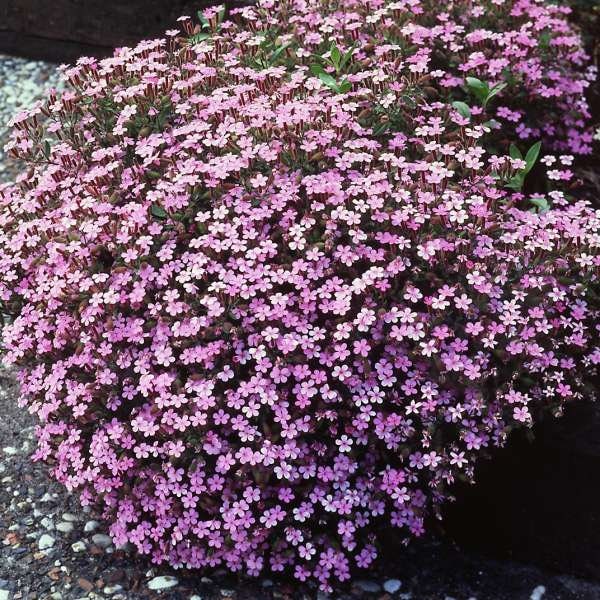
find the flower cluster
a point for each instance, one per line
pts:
(276, 282)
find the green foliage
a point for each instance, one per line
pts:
(482, 91)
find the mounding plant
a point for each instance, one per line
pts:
(274, 282)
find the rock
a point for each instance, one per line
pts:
(196, 597)
(102, 540)
(162, 583)
(45, 542)
(47, 523)
(65, 527)
(69, 518)
(91, 526)
(78, 546)
(85, 584)
(112, 589)
(391, 586)
(538, 592)
(10, 451)
(4, 594)
(368, 586)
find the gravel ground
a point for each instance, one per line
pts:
(53, 549)
(22, 82)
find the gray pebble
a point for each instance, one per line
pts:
(102, 540)
(112, 589)
(65, 527)
(45, 542)
(538, 592)
(391, 586)
(78, 546)
(368, 586)
(69, 518)
(91, 526)
(162, 583)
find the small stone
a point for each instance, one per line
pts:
(78, 546)
(368, 586)
(46, 542)
(267, 583)
(85, 584)
(65, 527)
(112, 589)
(47, 523)
(196, 597)
(538, 592)
(91, 526)
(391, 586)
(162, 583)
(10, 450)
(70, 518)
(4, 594)
(102, 540)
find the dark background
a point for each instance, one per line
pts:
(63, 30)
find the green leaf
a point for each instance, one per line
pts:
(203, 20)
(199, 37)
(326, 78)
(516, 182)
(336, 56)
(462, 108)
(381, 128)
(344, 87)
(347, 56)
(47, 149)
(515, 152)
(158, 212)
(509, 76)
(493, 92)
(532, 156)
(541, 204)
(545, 38)
(278, 53)
(479, 88)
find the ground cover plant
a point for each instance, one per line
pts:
(275, 282)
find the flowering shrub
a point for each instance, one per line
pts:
(274, 283)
